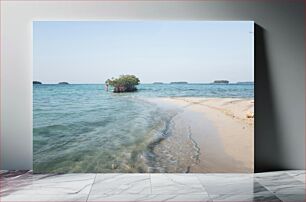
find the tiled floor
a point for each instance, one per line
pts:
(272, 186)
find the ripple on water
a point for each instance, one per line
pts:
(82, 128)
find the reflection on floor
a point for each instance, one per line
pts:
(272, 186)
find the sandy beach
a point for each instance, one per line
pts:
(220, 130)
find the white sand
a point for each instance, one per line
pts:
(223, 129)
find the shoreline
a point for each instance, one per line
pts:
(221, 128)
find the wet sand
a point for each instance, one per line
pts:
(219, 133)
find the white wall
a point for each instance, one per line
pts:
(280, 62)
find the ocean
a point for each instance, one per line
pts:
(83, 128)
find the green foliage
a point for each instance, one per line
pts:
(124, 83)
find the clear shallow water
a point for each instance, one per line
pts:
(82, 128)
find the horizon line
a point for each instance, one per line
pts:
(153, 83)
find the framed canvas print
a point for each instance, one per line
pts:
(143, 96)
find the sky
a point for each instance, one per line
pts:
(154, 51)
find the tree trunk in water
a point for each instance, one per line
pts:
(122, 89)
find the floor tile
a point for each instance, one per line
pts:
(272, 175)
(175, 184)
(151, 197)
(13, 173)
(121, 184)
(239, 184)
(246, 198)
(51, 184)
(281, 183)
(287, 186)
(43, 198)
(183, 198)
(298, 175)
(12, 182)
(291, 197)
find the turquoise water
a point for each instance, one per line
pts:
(82, 128)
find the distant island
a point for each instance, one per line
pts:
(37, 82)
(246, 82)
(221, 82)
(179, 82)
(125, 83)
(158, 83)
(63, 83)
